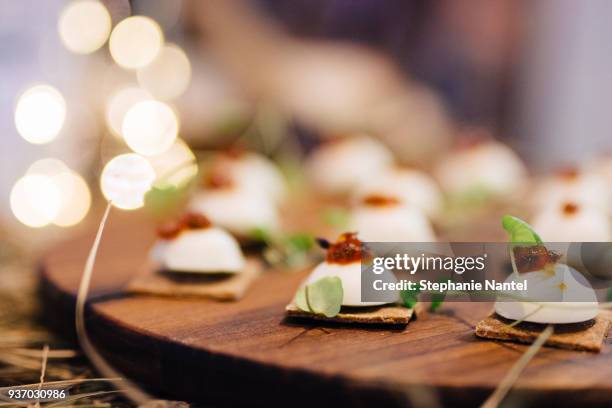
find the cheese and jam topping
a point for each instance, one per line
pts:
(189, 221)
(343, 260)
(487, 166)
(192, 244)
(408, 185)
(533, 258)
(342, 165)
(240, 192)
(240, 212)
(347, 249)
(385, 218)
(379, 200)
(247, 171)
(569, 184)
(573, 222)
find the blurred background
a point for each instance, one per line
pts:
(415, 74)
(84, 81)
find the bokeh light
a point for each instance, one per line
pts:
(150, 127)
(135, 42)
(48, 167)
(126, 179)
(120, 103)
(175, 167)
(40, 114)
(35, 200)
(75, 197)
(84, 26)
(168, 75)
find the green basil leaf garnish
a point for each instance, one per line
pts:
(410, 297)
(520, 232)
(336, 217)
(300, 242)
(438, 298)
(322, 297)
(300, 299)
(290, 250)
(260, 234)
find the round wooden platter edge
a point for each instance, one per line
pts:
(325, 365)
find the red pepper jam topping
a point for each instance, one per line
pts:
(379, 200)
(568, 173)
(234, 152)
(334, 139)
(471, 138)
(217, 179)
(570, 209)
(189, 221)
(169, 230)
(347, 249)
(192, 220)
(534, 258)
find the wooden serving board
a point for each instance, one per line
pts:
(247, 353)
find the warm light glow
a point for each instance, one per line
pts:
(135, 42)
(76, 199)
(150, 127)
(35, 200)
(84, 26)
(48, 167)
(74, 192)
(119, 103)
(126, 179)
(40, 114)
(175, 167)
(168, 75)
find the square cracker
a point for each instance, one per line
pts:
(587, 336)
(179, 284)
(386, 314)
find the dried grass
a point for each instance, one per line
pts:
(22, 342)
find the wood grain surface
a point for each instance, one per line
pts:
(248, 353)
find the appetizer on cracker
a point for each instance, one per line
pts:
(386, 218)
(193, 245)
(340, 165)
(570, 184)
(252, 172)
(332, 291)
(556, 295)
(572, 222)
(238, 199)
(410, 186)
(484, 166)
(192, 257)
